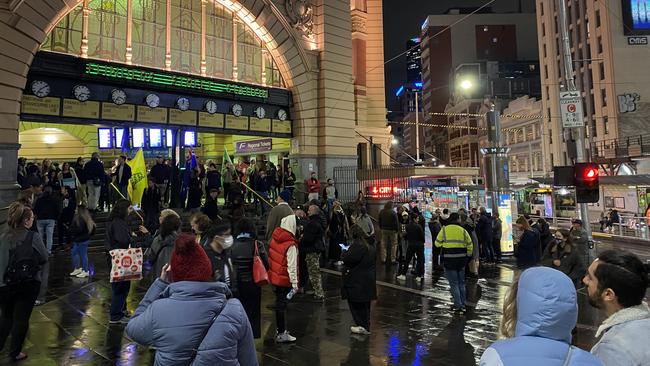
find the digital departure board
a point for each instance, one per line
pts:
(155, 137)
(119, 138)
(189, 138)
(137, 137)
(104, 138)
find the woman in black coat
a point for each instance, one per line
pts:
(529, 249)
(242, 254)
(338, 233)
(359, 277)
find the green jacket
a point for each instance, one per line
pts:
(456, 246)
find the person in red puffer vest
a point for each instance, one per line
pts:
(283, 272)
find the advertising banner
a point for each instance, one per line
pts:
(253, 146)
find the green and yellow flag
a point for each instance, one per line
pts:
(226, 160)
(138, 181)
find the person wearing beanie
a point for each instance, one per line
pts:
(280, 211)
(283, 272)
(190, 319)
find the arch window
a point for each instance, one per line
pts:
(197, 37)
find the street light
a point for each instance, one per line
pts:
(466, 84)
(394, 141)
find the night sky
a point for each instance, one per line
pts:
(402, 21)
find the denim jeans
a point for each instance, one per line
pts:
(46, 226)
(120, 291)
(80, 254)
(456, 278)
(93, 195)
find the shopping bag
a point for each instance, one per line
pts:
(260, 276)
(126, 264)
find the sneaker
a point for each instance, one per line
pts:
(82, 274)
(401, 277)
(121, 321)
(462, 311)
(359, 330)
(339, 263)
(285, 337)
(76, 272)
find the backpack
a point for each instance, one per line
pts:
(23, 264)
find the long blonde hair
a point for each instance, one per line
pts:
(82, 217)
(509, 317)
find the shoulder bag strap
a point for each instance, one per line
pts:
(567, 360)
(195, 351)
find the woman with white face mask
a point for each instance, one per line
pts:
(218, 240)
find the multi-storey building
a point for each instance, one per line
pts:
(485, 36)
(609, 60)
(413, 61)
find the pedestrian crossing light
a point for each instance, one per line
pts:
(586, 182)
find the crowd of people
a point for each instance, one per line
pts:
(204, 303)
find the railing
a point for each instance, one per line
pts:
(629, 226)
(633, 146)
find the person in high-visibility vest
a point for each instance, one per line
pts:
(456, 250)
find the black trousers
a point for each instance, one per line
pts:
(16, 305)
(281, 308)
(496, 245)
(250, 296)
(360, 313)
(303, 273)
(120, 291)
(417, 251)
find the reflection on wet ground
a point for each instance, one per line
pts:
(411, 323)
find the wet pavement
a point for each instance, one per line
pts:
(411, 323)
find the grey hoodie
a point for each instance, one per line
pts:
(13, 237)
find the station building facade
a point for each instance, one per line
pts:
(299, 80)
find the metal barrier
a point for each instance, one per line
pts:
(629, 227)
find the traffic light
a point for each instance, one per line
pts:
(586, 181)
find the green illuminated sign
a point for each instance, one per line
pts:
(177, 81)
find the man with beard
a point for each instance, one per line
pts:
(616, 283)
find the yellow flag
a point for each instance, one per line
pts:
(138, 181)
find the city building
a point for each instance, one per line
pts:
(207, 75)
(484, 36)
(413, 61)
(522, 132)
(609, 47)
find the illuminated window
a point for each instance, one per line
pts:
(186, 36)
(107, 30)
(218, 42)
(148, 40)
(66, 36)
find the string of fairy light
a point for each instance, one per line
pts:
(470, 115)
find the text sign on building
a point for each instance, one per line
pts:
(637, 41)
(571, 109)
(253, 146)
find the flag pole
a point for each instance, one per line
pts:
(121, 195)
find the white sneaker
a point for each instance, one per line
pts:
(82, 274)
(76, 272)
(339, 263)
(285, 337)
(401, 277)
(359, 330)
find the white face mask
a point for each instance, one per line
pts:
(227, 242)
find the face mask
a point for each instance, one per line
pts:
(227, 242)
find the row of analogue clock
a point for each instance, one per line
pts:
(42, 89)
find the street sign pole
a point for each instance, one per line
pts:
(577, 128)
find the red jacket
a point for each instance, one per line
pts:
(281, 241)
(313, 185)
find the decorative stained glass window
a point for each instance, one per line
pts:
(149, 32)
(107, 29)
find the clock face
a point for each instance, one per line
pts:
(152, 100)
(40, 88)
(282, 115)
(260, 112)
(81, 92)
(118, 96)
(211, 106)
(237, 109)
(183, 103)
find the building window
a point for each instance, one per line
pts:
(552, 162)
(600, 45)
(601, 69)
(107, 30)
(541, 8)
(603, 94)
(565, 158)
(544, 49)
(594, 131)
(606, 125)
(543, 29)
(545, 67)
(597, 18)
(529, 133)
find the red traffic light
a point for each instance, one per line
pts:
(591, 173)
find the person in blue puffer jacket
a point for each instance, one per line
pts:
(539, 313)
(189, 318)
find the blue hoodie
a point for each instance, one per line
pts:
(547, 311)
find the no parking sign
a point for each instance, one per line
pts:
(571, 109)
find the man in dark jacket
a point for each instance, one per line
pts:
(496, 236)
(212, 179)
(122, 175)
(160, 173)
(312, 245)
(484, 234)
(94, 173)
(415, 241)
(434, 228)
(280, 211)
(47, 209)
(211, 208)
(389, 226)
